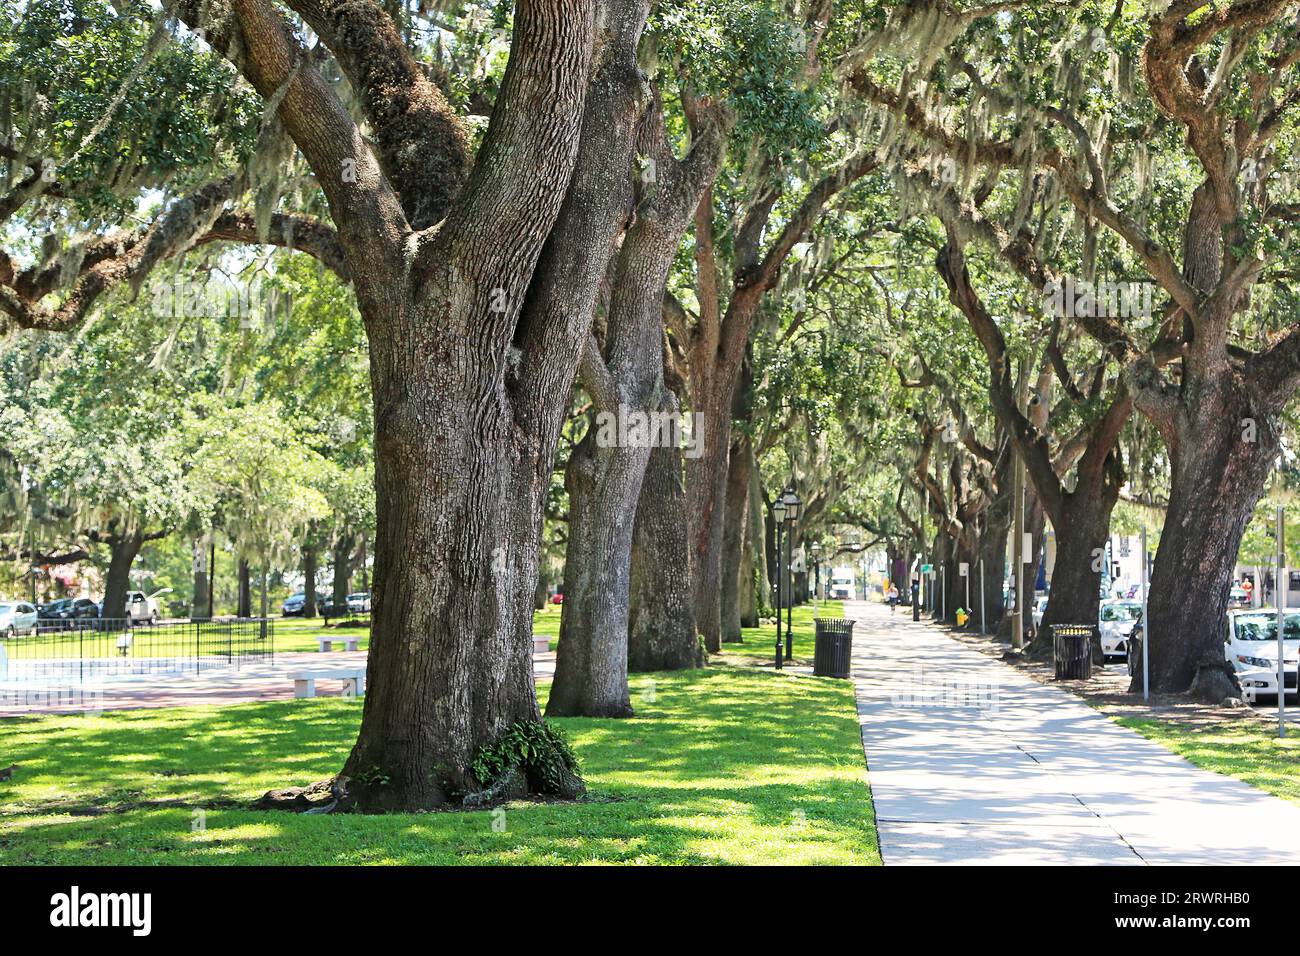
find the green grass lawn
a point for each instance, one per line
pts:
(1246, 749)
(548, 622)
(759, 643)
(299, 634)
(723, 765)
(296, 634)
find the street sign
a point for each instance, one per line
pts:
(963, 569)
(927, 569)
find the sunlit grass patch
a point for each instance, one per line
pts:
(720, 766)
(1246, 749)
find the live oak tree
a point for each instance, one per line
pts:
(634, 415)
(1079, 506)
(475, 277)
(111, 474)
(744, 230)
(266, 480)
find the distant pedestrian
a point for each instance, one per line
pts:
(893, 598)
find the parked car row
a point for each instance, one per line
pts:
(21, 617)
(1250, 646)
(17, 617)
(358, 603)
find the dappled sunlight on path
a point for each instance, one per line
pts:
(973, 762)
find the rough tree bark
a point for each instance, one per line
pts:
(662, 634)
(310, 560)
(634, 415)
(123, 549)
(341, 569)
(499, 315)
(476, 291)
(244, 598)
(739, 468)
(199, 609)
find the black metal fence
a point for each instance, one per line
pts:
(78, 650)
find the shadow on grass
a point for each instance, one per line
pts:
(720, 765)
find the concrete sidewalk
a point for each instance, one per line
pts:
(971, 762)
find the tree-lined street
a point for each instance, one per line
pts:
(974, 763)
(545, 354)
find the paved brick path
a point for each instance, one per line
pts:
(972, 762)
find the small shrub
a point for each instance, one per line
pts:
(539, 749)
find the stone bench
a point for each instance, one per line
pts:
(541, 644)
(349, 641)
(354, 682)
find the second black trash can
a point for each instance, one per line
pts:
(1072, 648)
(833, 647)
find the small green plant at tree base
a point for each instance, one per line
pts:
(374, 777)
(539, 749)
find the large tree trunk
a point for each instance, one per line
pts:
(662, 634)
(1220, 468)
(1075, 595)
(591, 659)
(310, 557)
(123, 549)
(754, 566)
(469, 403)
(706, 482)
(342, 570)
(245, 598)
(200, 608)
(636, 413)
(459, 492)
(740, 465)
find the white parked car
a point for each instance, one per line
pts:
(1250, 645)
(141, 607)
(1040, 606)
(17, 617)
(1116, 622)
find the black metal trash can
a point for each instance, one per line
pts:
(1072, 649)
(833, 647)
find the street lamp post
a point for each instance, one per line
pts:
(778, 518)
(792, 507)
